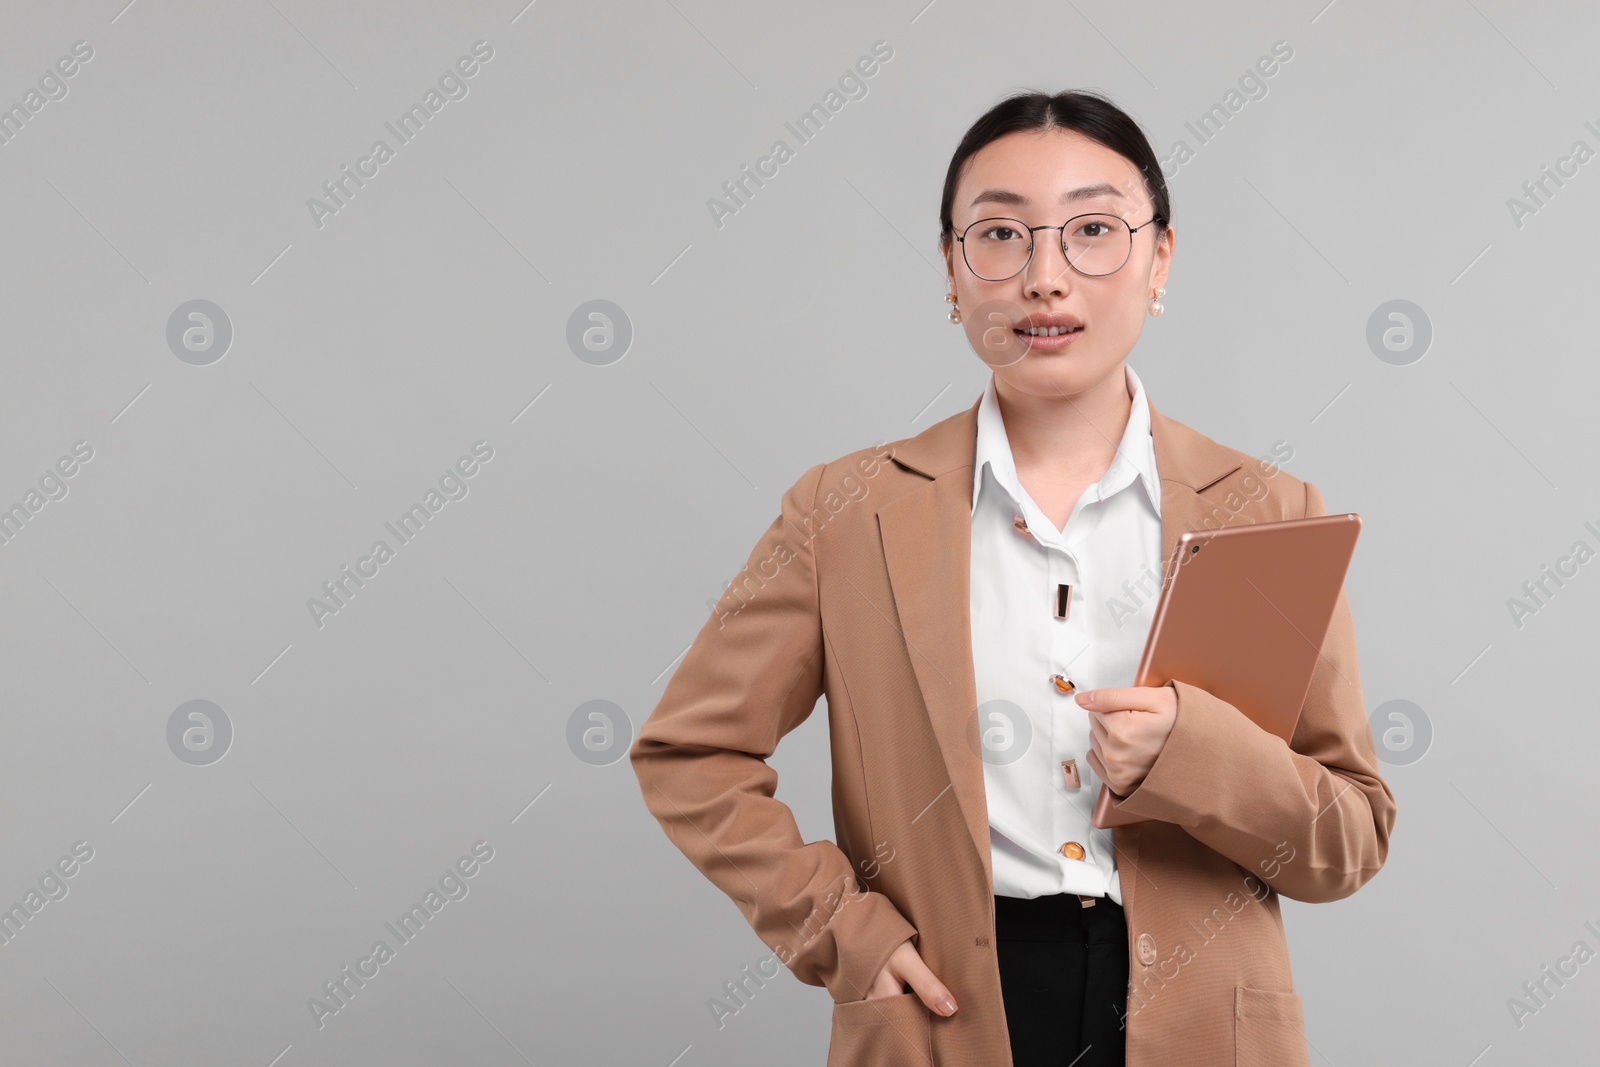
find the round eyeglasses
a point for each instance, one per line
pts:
(1001, 248)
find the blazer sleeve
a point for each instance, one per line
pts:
(1311, 819)
(753, 674)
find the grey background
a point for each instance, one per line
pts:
(432, 311)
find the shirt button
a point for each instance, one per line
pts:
(1063, 683)
(1063, 599)
(1147, 949)
(1073, 851)
(1020, 523)
(1069, 768)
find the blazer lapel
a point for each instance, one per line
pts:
(927, 545)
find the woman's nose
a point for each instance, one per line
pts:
(1048, 270)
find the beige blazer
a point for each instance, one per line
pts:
(858, 592)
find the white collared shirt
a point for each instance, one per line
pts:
(1110, 556)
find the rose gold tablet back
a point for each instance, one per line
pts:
(1242, 614)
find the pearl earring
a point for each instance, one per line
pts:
(955, 312)
(1156, 307)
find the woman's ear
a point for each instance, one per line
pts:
(1163, 258)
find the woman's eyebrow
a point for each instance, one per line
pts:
(1086, 192)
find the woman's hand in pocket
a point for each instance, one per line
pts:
(905, 967)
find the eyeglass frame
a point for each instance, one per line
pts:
(1031, 230)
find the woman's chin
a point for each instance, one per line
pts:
(1061, 375)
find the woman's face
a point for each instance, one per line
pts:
(1042, 178)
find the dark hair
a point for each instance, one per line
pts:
(1085, 111)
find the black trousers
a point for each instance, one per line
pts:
(1064, 979)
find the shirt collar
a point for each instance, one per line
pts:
(1136, 450)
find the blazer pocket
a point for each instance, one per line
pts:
(1269, 1029)
(894, 1031)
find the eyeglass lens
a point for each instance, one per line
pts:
(997, 249)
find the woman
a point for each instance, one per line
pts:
(973, 601)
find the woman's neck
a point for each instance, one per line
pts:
(1067, 435)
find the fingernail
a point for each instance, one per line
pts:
(946, 1006)
(1086, 696)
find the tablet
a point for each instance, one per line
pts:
(1242, 614)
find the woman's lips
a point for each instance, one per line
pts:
(1036, 343)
